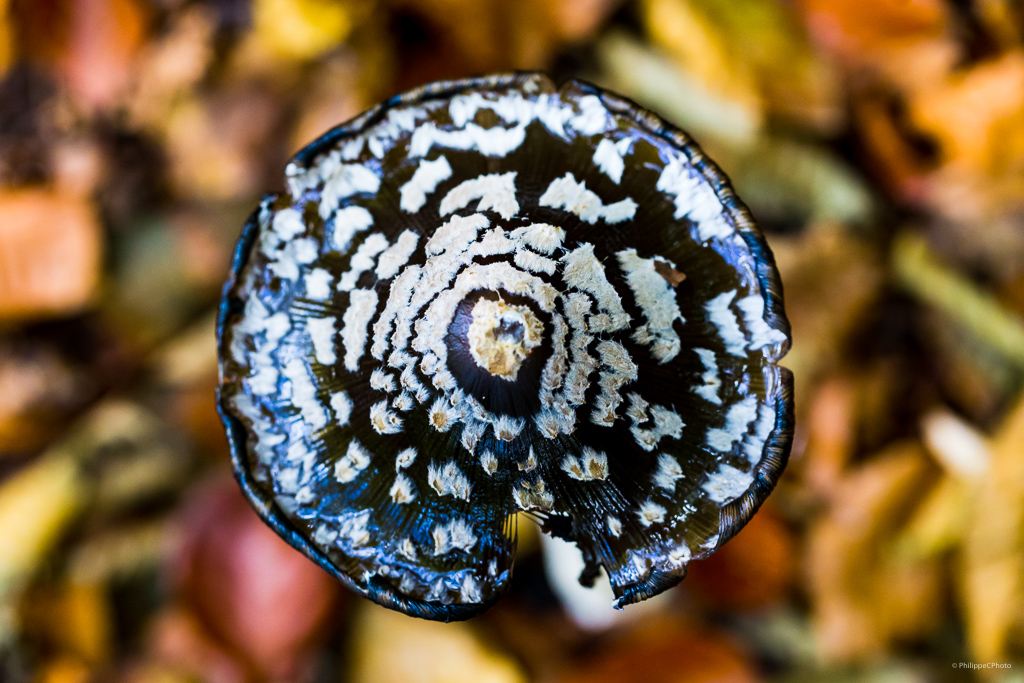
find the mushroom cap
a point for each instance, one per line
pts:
(496, 295)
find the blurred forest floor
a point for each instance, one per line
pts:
(880, 143)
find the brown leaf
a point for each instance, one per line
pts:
(830, 428)
(831, 281)
(50, 250)
(864, 596)
(40, 389)
(666, 651)
(219, 146)
(976, 118)
(753, 570)
(466, 36)
(253, 592)
(75, 619)
(179, 642)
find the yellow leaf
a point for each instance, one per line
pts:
(776, 70)
(940, 521)
(390, 647)
(302, 29)
(701, 50)
(35, 505)
(992, 582)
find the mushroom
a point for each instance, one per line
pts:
(492, 296)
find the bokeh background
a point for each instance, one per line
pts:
(880, 143)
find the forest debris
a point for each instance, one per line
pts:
(171, 66)
(6, 47)
(776, 73)
(832, 280)
(754, 570)
(50, 254)
(992, 574)
(977, 116)
(36, 504)
(955, 444)
(181, 651)
(650, 77)
(907, 43)
(940, 521)
(665, 650)
(830, 436)
(39, 390)
(474, 36)
(781, 179)
(302, 29)
(256, 596)
(120, 553)
(74, 617)
(390, 647)
(91, 44)
(926, 277)
(217, 146)
(863, 595)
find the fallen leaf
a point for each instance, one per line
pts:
(6, 48)
(830, 426)
(992, 569)
(91, 44)
(36, 505)
(665, 651)
(303, 29)
(73, 619)
(389, 647)
(171, 66)
(832, 281)
(863, 596)
(776, 72)
(753, 570)
(455, 37)
(50, 254)
(977, 116)
(180, 645)
(40, 390)
(219, 146)
(700, 49)
(253, 593)
(64, 670)
(907, 42)
(957, 446)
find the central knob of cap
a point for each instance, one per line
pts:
(502, 335)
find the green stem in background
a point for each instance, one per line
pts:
(921, 273)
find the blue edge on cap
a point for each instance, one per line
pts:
(734, 515)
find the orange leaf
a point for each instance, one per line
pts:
(49, 254)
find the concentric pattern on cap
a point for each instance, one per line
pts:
(496, 295)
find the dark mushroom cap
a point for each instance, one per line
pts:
(494, 295)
